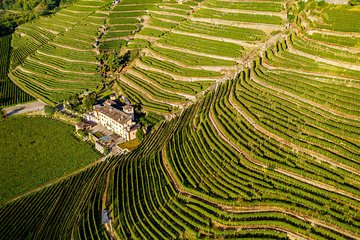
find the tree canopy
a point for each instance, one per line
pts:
(16, 12)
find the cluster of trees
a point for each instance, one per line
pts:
(354, 2)
(74, 102)
(111, 61)
(2, 114)
(16, 12)
(147, 122)
(49, 110)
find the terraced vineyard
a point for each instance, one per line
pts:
(9, 93)
(266, 145)
(191, 44)
(54, 57)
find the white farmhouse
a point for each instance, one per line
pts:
(118, 121)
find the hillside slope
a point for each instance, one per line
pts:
(271, 151)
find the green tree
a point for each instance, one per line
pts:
(106, 151)
(88, 101)
(82, 133)
(16, 12)
(2, 113)
(140, 134)
(49, 110)
(354, 2)
(72, 101)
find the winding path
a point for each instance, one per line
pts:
(316, 155)
(312, 103)
(177, 77)
(191, 97)
(351, 66)
(250, 209)
(286, 173)
(128, 82)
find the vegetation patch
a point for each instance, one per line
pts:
(36, 150)
(9, 93)
(130, 145)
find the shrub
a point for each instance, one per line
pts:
(49, 110)
(354, 2)
(140, 134)
(2, 114)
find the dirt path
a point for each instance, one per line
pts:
(49, 30)
(65, 59)
(108, 226)
(123, 79)
(315, 74)
(24, 108)
(279, 139)
(286, 173)
(335, 33)
(214, 38)
(235, 1)
(177, 77)
(71, 48)
(317, 111)
(166, 13)
(184, 50)
(243, 11)
(248, 209)
(152, 53)
(166, 20)
(190, 97)
(57, 68)
(109, 229)
(291, 234)
(145, 37)
(351, 66)
(337, 1)
(333, 45)
(267, 28)
(37, 83)
(312, 103)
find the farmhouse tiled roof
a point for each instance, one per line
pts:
(115, 114)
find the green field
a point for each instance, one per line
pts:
(36, 150)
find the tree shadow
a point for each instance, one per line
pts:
(14, 111)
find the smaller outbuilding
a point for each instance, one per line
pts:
(83, 126)
(105, 218)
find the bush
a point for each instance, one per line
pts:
(354, 2)
(82, 133)
(2, 114)
(140, 134)
(49, 110)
